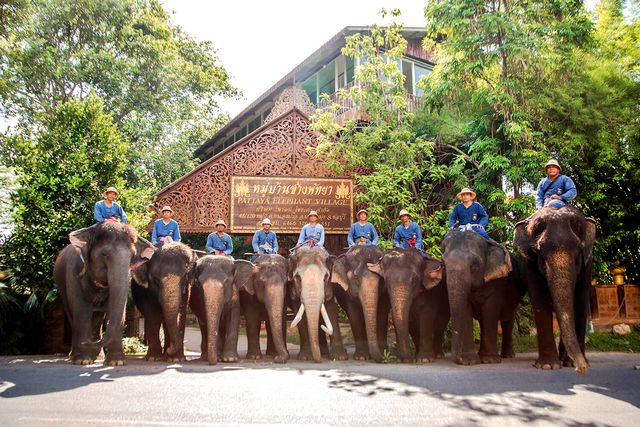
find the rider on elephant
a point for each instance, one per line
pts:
(108, 208)
(165, 229)
(265, 241)
(556, 190)
(469, 215)
(311, 234)
(362, 232)
(407, 234)
(219, 242)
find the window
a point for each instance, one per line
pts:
(419, 72)
(407, 72)
(326, 79)
(311, 87)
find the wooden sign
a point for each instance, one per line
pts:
(632, 301)
(287, 202)
(607, 300)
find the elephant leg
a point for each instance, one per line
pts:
(252, 324)
(424, 321)
(152, 324)
(382, 322)
(196, 303)
(356, 318)
(230, 348)
(271, 349)
(489, 332)
(543, 314)
(324, 344)
(441, 321)
(81, 353)
(203, 341)
(97, 320)
(507, 350)
(338, 352)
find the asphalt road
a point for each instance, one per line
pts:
(46, 391)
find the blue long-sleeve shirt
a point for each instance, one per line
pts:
(317, 232)
(160, 229)
(267, 243)
(403, 234)
(101, 211)
(562, 186)
(219, 243)
(366, 230)
(474, 214)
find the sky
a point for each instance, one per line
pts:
(258, 42)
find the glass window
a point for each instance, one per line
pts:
(407, 72)
(326, 79)
(420, 71)
(350, 69)
(311, 87)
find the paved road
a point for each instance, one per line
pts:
(45, 391)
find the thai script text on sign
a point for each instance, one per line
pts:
(287, 202)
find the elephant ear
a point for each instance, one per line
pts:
(144, 248)
(522, 240)
(140, 275)
(339, 272)
(292, 267)
(243, 276)
(83, 238)
(376, 268)
(434, 273)
(497, 263)
(589, 239)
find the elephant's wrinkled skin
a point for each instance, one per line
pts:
(215, 297)
(267, 303)
(419, 305)
(362, 295)
(160, 291)
(556, 246)
(473, 269)
(309, 295)
(92, 275)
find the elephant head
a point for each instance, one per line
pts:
(167, 276)
(269, 283)
(220, 278)
(556, 245)
(406, 273)
(108, 250)
(351, 273)
(309, 270)
(470, 262)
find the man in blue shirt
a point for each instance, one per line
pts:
(362, 232)
(555, 190)
(219, 242)
(108, 208)
(165, 229)
(265, 241)
(408, 233)
(311, 234)
(469, 215)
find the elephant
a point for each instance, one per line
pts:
(160, 290)
(473, 267)
(362, 295)
(419, 304)
(310, 292)
(217, 281)
(92, 276)
(556, 245)
(267, 303)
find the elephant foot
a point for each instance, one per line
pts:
(339, 355)
(230, 357)
(490, 358)
(467, 359)
(361, 355)
(154, 358)
(425, 358)
(407, 360)
(439, 354)
(175, 359)
(280, 359)
(114, 362)
(254, 356)
(508, 354)
(82, 360)
(305, 355)
(547, 364)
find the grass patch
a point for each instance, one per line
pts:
(598, 341)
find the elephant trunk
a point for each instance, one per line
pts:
(458, 288)
(312, 300)
(561, 284)
(274, 302)
(369, 300)
(214, 302)
(400, 309)
(170, 301)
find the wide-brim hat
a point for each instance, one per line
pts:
(360, 211)
(166, 208)
(404, 212)
(221, 222)
(313, 213)
(266, 221)
(466, 190)
(552, 162)
(110, 190)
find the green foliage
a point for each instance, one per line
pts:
(133, 346)
(607, 341)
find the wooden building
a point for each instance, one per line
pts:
(271, 138)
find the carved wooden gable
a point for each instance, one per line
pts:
(279, 148)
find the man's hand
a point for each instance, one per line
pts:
(217, 252)
(555, 197)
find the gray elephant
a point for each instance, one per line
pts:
(362, 295)
(217, 282)
(92, 275)
(556, 246)
(267, 302)
(310, 293)
(160, 291)
(472, 265)
(419, 303)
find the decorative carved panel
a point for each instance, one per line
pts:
(180, 201)
(289, 98)
(270, 153)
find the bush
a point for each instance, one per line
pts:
(133, 346)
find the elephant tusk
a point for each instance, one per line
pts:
(298, 317)
(328, 329)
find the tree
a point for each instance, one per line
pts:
(157, 81)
